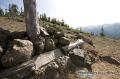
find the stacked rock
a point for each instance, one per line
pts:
(19, 49)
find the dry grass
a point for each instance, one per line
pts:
(104, 67)
(11, 25)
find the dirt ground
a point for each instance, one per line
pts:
(11, 25)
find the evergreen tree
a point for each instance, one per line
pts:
(102, 32)
(80, 29)
(6, 13)
(1, 12)
(62, 23)
(48, 19)
(43, 17)
(13, 10)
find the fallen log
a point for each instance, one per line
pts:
(28, 67)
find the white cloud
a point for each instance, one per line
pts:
(84, 12)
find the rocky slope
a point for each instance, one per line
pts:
(82, 62)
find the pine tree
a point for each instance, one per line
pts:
(102, 34)
(1, 12)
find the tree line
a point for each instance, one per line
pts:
(44, 17)
(12, 12)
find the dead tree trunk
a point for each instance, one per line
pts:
(32, 25)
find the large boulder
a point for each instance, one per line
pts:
(18, 52)
(77, 57)
(81, 57)
(64, 41)
(79, 36)
(49, 44)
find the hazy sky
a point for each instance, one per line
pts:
(77, 12)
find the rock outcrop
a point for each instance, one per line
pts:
(67, 57)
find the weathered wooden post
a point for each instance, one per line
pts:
(32, 25)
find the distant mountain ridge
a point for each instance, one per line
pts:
(110, 30)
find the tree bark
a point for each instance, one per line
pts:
(32, 25)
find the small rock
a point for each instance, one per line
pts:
(59, 34)
(91, 56)
(51, 72)
(64, 41)
(39, 45)
(56, 41)
(43, 32)
(88, 60)
(92, 51)
(63, 62)
(79, 36)
(49, 44)
(86, 39)
(3, 35)
(51, 30)
(57, 73)
(1, 51)
(89, 41)
(18, 52)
